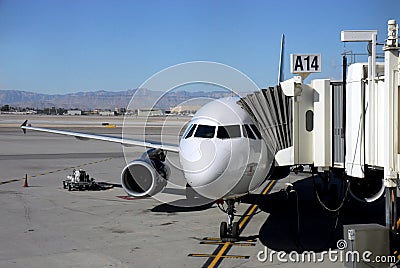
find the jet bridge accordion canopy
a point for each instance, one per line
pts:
(271, 111)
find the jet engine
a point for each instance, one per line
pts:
(147, 175)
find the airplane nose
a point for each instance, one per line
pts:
(201, 162)
(197, 155)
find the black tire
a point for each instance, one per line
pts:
(69, 187)
(235, 230)
(223, 230)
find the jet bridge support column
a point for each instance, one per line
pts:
(391, 143)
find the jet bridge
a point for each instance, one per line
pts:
(294, 118)
(353, 126)
(276, 122)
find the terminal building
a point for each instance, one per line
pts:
(185, 109)
(150, 112)
(74, 112)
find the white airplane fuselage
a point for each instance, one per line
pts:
(222, 153)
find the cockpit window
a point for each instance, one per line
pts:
(255, 129)
(248, 133)
(204, 131)
(190, 132)
(228, 132)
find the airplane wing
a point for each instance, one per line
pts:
(88, 136)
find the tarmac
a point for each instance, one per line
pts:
(44, 225)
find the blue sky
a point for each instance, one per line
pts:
(69, 46)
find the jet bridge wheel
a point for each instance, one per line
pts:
(369, 189)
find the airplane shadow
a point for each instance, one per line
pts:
(109, 185)
(175, 191)
(102, 186)
(304, 224)
(184, 205)
(97, 186)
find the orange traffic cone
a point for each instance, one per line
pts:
(26, 180)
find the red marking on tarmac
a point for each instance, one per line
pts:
(127, 197)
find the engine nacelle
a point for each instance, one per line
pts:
(146, 176)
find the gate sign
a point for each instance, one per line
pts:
(305, 63)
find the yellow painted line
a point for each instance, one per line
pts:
(243, 220)
(5, 182)
(217, 239)
(232, 244)
(235, 257)
(201, 255)
(213, 256)
(212, 238)
(219, 255)
(254, 207)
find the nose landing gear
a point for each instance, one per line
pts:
(229, 231)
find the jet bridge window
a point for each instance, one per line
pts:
(229, 132)
(247, 132)
(204, 131)
(309, 120)
(190, 132)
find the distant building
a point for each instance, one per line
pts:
(119, 111)
(74, 112)
(106, 113)
(149, 112)
(185, 109)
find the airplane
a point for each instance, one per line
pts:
(222, 154)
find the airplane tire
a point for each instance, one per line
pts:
(235, 230)
(223, 230)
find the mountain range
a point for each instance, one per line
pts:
(102, 99)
